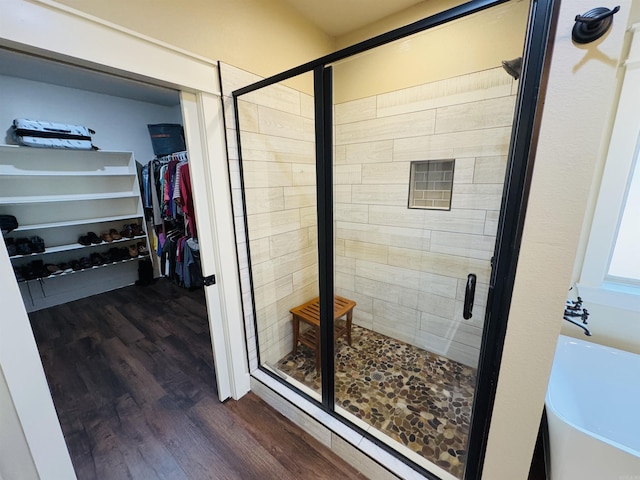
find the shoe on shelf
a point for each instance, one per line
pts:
(54, 269)
(93, 238)
(137, 230)
(84, 240)
(112, 254)
(29, 272)
(133, 251)
(142, 249)
(11, 247)
(97, 259)
(65, 267)
(127, 231)
(39, 269)
(37, 244)
(85, 262)
(23, 246)
(114, 234)
(106, 237)
(118, 254)
(18, 273)
(75, 265)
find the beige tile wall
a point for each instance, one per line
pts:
(277, 130)
(407, 268)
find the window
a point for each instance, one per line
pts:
(610, 270)
(430, 184)
(625, 261)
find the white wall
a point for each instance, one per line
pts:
(578, 112)
(15, 461)
(120, 123)
(29, 395)
(614, 309)
(609, 325)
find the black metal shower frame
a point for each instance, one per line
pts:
(528, 112)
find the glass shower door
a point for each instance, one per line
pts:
(422, 128)
(370, 278)
(277, 138)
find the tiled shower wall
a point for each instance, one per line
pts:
(407, 268)
(278, 150)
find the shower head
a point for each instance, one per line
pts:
(513, 67)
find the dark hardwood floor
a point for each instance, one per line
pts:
(132, 378)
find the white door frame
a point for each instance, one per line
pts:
(204, 132)
(48, 29)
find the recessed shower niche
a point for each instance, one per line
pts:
(431, 183)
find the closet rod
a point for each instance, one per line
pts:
(177, 155)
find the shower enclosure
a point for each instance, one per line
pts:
(382, 192)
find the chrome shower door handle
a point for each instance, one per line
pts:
(469, 294)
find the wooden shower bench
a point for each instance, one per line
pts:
(310, 313)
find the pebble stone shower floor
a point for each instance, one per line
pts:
(415, 397)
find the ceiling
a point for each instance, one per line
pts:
(39, 69)
(337, 17)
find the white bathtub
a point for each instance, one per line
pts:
(593, 410)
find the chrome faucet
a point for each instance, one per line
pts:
(573, 309)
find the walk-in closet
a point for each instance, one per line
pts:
(106, 256)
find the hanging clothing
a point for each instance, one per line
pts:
(166, 191)
(155, 204)
(146, 186)
(163, 175)
(177, 197)
(187, 201)
(168, 198)
(181, 261)
(191, 264)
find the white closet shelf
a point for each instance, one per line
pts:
(70, 223)
(58, 194)
(66, 198)
(87, 269)
(98, 155)
(57, 173)
(77, 246)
